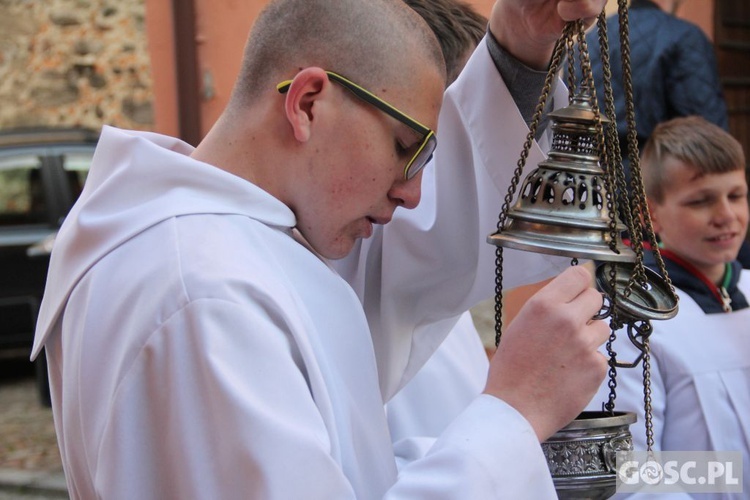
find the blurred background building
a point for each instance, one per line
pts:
(168, 65)
(75, 62)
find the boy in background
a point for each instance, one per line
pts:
(694, 177)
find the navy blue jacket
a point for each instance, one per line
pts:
(673, 66)
(685, 280)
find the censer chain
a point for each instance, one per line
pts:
(538, 112)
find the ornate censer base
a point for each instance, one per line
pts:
(581, 455)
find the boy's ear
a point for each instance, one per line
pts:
(307, 87)
(653, 210)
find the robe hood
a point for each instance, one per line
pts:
(137, 180)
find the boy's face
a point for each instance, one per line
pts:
(703, 218)
(357, 182)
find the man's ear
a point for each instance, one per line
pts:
(306, 88)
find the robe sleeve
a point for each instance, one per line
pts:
(417, 274)
(489, 451)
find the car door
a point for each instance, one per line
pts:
(38, 186)
(25, 218)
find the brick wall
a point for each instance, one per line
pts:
(74, 62)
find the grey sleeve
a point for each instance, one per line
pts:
(524, 84)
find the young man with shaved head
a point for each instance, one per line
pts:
(227, 321)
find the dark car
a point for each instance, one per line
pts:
(42, 171)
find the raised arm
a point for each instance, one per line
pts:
(528, 29)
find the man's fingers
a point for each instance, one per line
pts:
(568, 285)
(572, 10)
(601, 333)
(589, 300)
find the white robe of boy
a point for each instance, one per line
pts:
(198, 349)
(700, 384)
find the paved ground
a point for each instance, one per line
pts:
(30, 466)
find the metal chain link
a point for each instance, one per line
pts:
(647, 408)
(538, 112)
(498, 294)
(604, 152)
(637, 192)
(609, 153)
(617, 188)
(639, 215)
(571, 58)
(634, 210)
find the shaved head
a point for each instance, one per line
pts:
(372, 42)
(334, 158)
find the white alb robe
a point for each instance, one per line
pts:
(197, 349)
(700, 383)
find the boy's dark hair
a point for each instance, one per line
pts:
(457, 26)
(694, 141)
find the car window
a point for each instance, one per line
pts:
(76, 165)
(22, 199)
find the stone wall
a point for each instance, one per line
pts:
(74, 62)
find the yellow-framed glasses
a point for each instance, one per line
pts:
(426, 147)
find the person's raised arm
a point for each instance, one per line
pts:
(528, 29)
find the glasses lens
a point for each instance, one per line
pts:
(422, 156)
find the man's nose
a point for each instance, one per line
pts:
(407, 192)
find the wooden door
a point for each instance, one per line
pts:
(732, 41)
